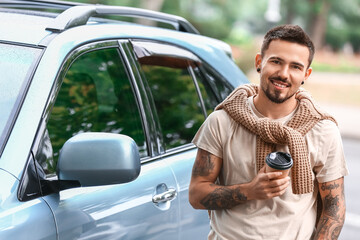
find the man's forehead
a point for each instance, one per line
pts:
(288, 51)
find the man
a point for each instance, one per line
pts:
(229, 177)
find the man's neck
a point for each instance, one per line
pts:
(273, 110)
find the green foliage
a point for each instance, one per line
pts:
(223, 19)
(176, 102)
(337, 37)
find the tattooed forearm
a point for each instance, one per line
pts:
(333, 214)
(223, 198)
(332, 206)
(204, 166)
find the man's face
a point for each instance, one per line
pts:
(283, 67)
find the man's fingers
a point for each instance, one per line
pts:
(280, 187)
(276, 185)
(270, 175)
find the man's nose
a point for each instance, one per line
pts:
(284, 72)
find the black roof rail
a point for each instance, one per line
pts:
(77, 14)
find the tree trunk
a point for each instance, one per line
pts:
(320, 24)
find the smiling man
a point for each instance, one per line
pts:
(229, 177)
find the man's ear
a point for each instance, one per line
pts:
(258, 60)
(308, 73)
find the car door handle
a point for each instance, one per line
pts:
(168, 195)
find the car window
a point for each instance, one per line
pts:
(216, 88)
(169, 73)
(16, 65)
(207, 92)
(95, 96)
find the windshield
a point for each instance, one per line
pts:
(16, 63)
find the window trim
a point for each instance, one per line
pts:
(138, 98)
(195, 80)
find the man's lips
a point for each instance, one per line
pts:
(279, 84)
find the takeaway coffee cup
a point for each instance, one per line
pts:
(279, 161)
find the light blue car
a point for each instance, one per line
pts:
(97, 118)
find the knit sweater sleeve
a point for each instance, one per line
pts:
(330, 162)
(211, 134)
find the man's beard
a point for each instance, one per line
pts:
(275, 97)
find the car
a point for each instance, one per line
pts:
(97, 118)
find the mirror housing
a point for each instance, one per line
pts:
(95, 159)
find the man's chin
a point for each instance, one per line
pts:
(275, 98)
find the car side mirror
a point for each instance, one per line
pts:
(95, 159)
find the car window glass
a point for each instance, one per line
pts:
(219, 85)
(207, 93)
(173, 90)
(95, 96)
(16, 64)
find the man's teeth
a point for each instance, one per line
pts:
(279, 85)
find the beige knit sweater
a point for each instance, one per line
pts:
(270, 133)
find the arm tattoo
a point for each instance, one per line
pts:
(333, 215)
(223, 198)
(331, 206)
(204, 166)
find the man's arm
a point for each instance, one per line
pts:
(333, 211)
(205, 194)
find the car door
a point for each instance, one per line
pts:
(30, 219)
(98, 94)
(182, 97)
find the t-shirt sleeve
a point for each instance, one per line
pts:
(210, 134)
(330, 160)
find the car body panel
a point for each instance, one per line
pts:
(15, 215)
(123, 211)
(190, 222)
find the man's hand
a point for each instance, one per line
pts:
(266, 185)
(333, 211)
(205, 194)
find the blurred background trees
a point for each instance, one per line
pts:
(332, 24)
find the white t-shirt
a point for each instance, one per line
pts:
(286, 217)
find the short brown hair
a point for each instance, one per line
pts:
(290, 33)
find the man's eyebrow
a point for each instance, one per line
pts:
(276, 58)
(298, 64)
(282, 60)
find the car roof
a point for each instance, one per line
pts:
(23, 27)
(17, 23)
(78, 25)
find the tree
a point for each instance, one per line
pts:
(317, 21)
